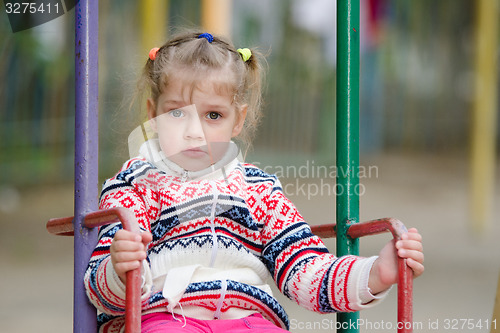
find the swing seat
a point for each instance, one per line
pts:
(64, 227)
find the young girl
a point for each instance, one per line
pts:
(214, 228)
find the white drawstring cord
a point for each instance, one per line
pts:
(225, 176)
(215, 244)
(183, 317)
(182, 314)
(220, 302)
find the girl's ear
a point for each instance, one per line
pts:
(151, 113)
(240, 121)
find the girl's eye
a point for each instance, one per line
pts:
(213, 115)
(176, 113)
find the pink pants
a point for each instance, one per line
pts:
(164, 323)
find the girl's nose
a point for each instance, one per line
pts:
(194, 128)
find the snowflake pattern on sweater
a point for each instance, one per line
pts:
(232, 229)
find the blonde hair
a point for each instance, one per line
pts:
(190, 52)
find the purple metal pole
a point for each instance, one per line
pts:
(86, 152)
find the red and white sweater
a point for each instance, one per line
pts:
(217, 236)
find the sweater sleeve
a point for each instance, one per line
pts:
(302, 267)
(103, 286)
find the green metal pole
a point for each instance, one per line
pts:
(347, 137)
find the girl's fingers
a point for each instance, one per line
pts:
(128, 250)
(409, 245)
(129, 241)
(121, 257)
(411, 240)
(123, 267)
(147, 237)
(417, 256)
(416, 267)
(127, 235)
(412, 234)
(126, 245)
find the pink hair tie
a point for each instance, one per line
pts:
(153, 52)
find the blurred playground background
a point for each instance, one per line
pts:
(428, 122)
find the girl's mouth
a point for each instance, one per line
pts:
(194, 152)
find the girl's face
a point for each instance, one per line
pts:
(194, 126)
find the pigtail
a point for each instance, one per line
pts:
(252, 90)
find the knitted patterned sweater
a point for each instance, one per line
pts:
(218, 235)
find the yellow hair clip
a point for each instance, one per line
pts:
(245, 54)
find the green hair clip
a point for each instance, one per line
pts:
(245, 54)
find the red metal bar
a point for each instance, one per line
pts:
(133, 287)
(405, 276)
(64, 226)
(325, 230)
(373, 227)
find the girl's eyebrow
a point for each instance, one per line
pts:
(174, 103)
(215, 107)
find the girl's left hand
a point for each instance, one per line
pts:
(384, 271)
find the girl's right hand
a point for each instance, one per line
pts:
(128, 250)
